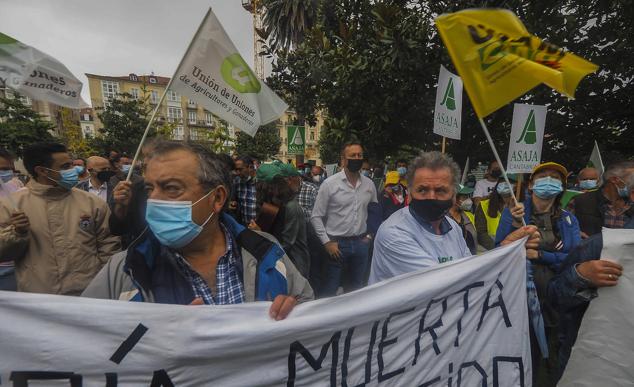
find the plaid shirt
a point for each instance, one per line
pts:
(245, 196)
(615, 218)
(307, 196)
(229, 287)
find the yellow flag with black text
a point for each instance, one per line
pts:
(498, 60)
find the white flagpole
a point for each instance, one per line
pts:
(497, 158)
(158, 105)
(464, 172)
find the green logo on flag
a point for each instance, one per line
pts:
(529, 133)
(6, 39)
(449, 100)
(295, 139)
(238, 75)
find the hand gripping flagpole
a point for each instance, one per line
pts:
(497, 158)
(160, 102)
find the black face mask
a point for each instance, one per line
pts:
(430, 209)
(496, 173)
(354, 165)
(104, 176)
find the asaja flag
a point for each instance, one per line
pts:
(595, 159)
(213, 74)
(296, 139)
(447, 115)
(498, 60)
(35, 74)
(527, 135)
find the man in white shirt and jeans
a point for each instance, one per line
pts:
(484, 186)
(339, 218)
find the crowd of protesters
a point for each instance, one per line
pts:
(194, 227)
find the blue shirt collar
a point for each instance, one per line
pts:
(445, 226)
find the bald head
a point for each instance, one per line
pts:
(97, 163)
(588, 174)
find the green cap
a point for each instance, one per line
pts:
(288, 170)
(266, 172)
(464, 190)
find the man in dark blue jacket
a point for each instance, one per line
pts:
(582, 272)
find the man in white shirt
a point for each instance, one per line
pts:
(484, 186)
(100, 171)
(422, 235)
(339, 218)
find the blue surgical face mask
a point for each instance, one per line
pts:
(624, 192)
(5, 176)
(69, 177)
(125, 168)
(588, 184)
(504, 189)
(172, 223)
(80, 169)
(401, 171)
(365, 172)
(547, 187)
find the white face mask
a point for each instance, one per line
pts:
(466, 205)
(317, 178)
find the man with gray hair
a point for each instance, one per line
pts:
(196, 254)
(610, 206)
(422, 235)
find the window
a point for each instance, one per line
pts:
(152, 80)
(109, 90)
(178, 133)
(191, 117)
(172, 96)
(133, 78)
(154, 97)
(134, 93)
(209, 119)
(191, 103)
(87, 117)
(312, 135)
(26, 100)
(193, 134)
(174, 114)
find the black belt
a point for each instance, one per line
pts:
(348, 238)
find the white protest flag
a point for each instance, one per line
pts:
(603, 354)
(462, 323)
(35, 74)
(448, 113)
(214, 74)
(527, 136)
(595, 159)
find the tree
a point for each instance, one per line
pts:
(20, 126)
(262, 146)
(372, 67)
(124, 120)
(72, 136)
(286, 21)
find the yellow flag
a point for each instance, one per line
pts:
(498, 60)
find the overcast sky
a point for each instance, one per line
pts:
(118, 37)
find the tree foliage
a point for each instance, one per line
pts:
(72, 136)
(20, 126)
(262, 146)
(372, 67)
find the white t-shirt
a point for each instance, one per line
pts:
(483, 188)
(403, 245)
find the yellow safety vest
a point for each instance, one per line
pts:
(470, 216)
(492, 223)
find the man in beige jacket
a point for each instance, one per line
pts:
(58, 236)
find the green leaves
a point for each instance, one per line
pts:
(262, 146)
(20, 126)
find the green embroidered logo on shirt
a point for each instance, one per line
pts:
(445, 259)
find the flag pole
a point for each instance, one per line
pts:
(158, 105)
(497, 158)
(443, 144)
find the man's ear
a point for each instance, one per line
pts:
(219, 198)
(40, 170)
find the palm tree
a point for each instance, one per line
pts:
(286, 21)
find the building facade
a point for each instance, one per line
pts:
(191, 120)
(311, 134)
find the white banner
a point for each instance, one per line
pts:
(527, 136)
(448, 113)
(603, 354)
(214, 74)
(35, 74)
(462, 323)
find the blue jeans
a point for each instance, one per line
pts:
(7, 278)
(354, 258)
